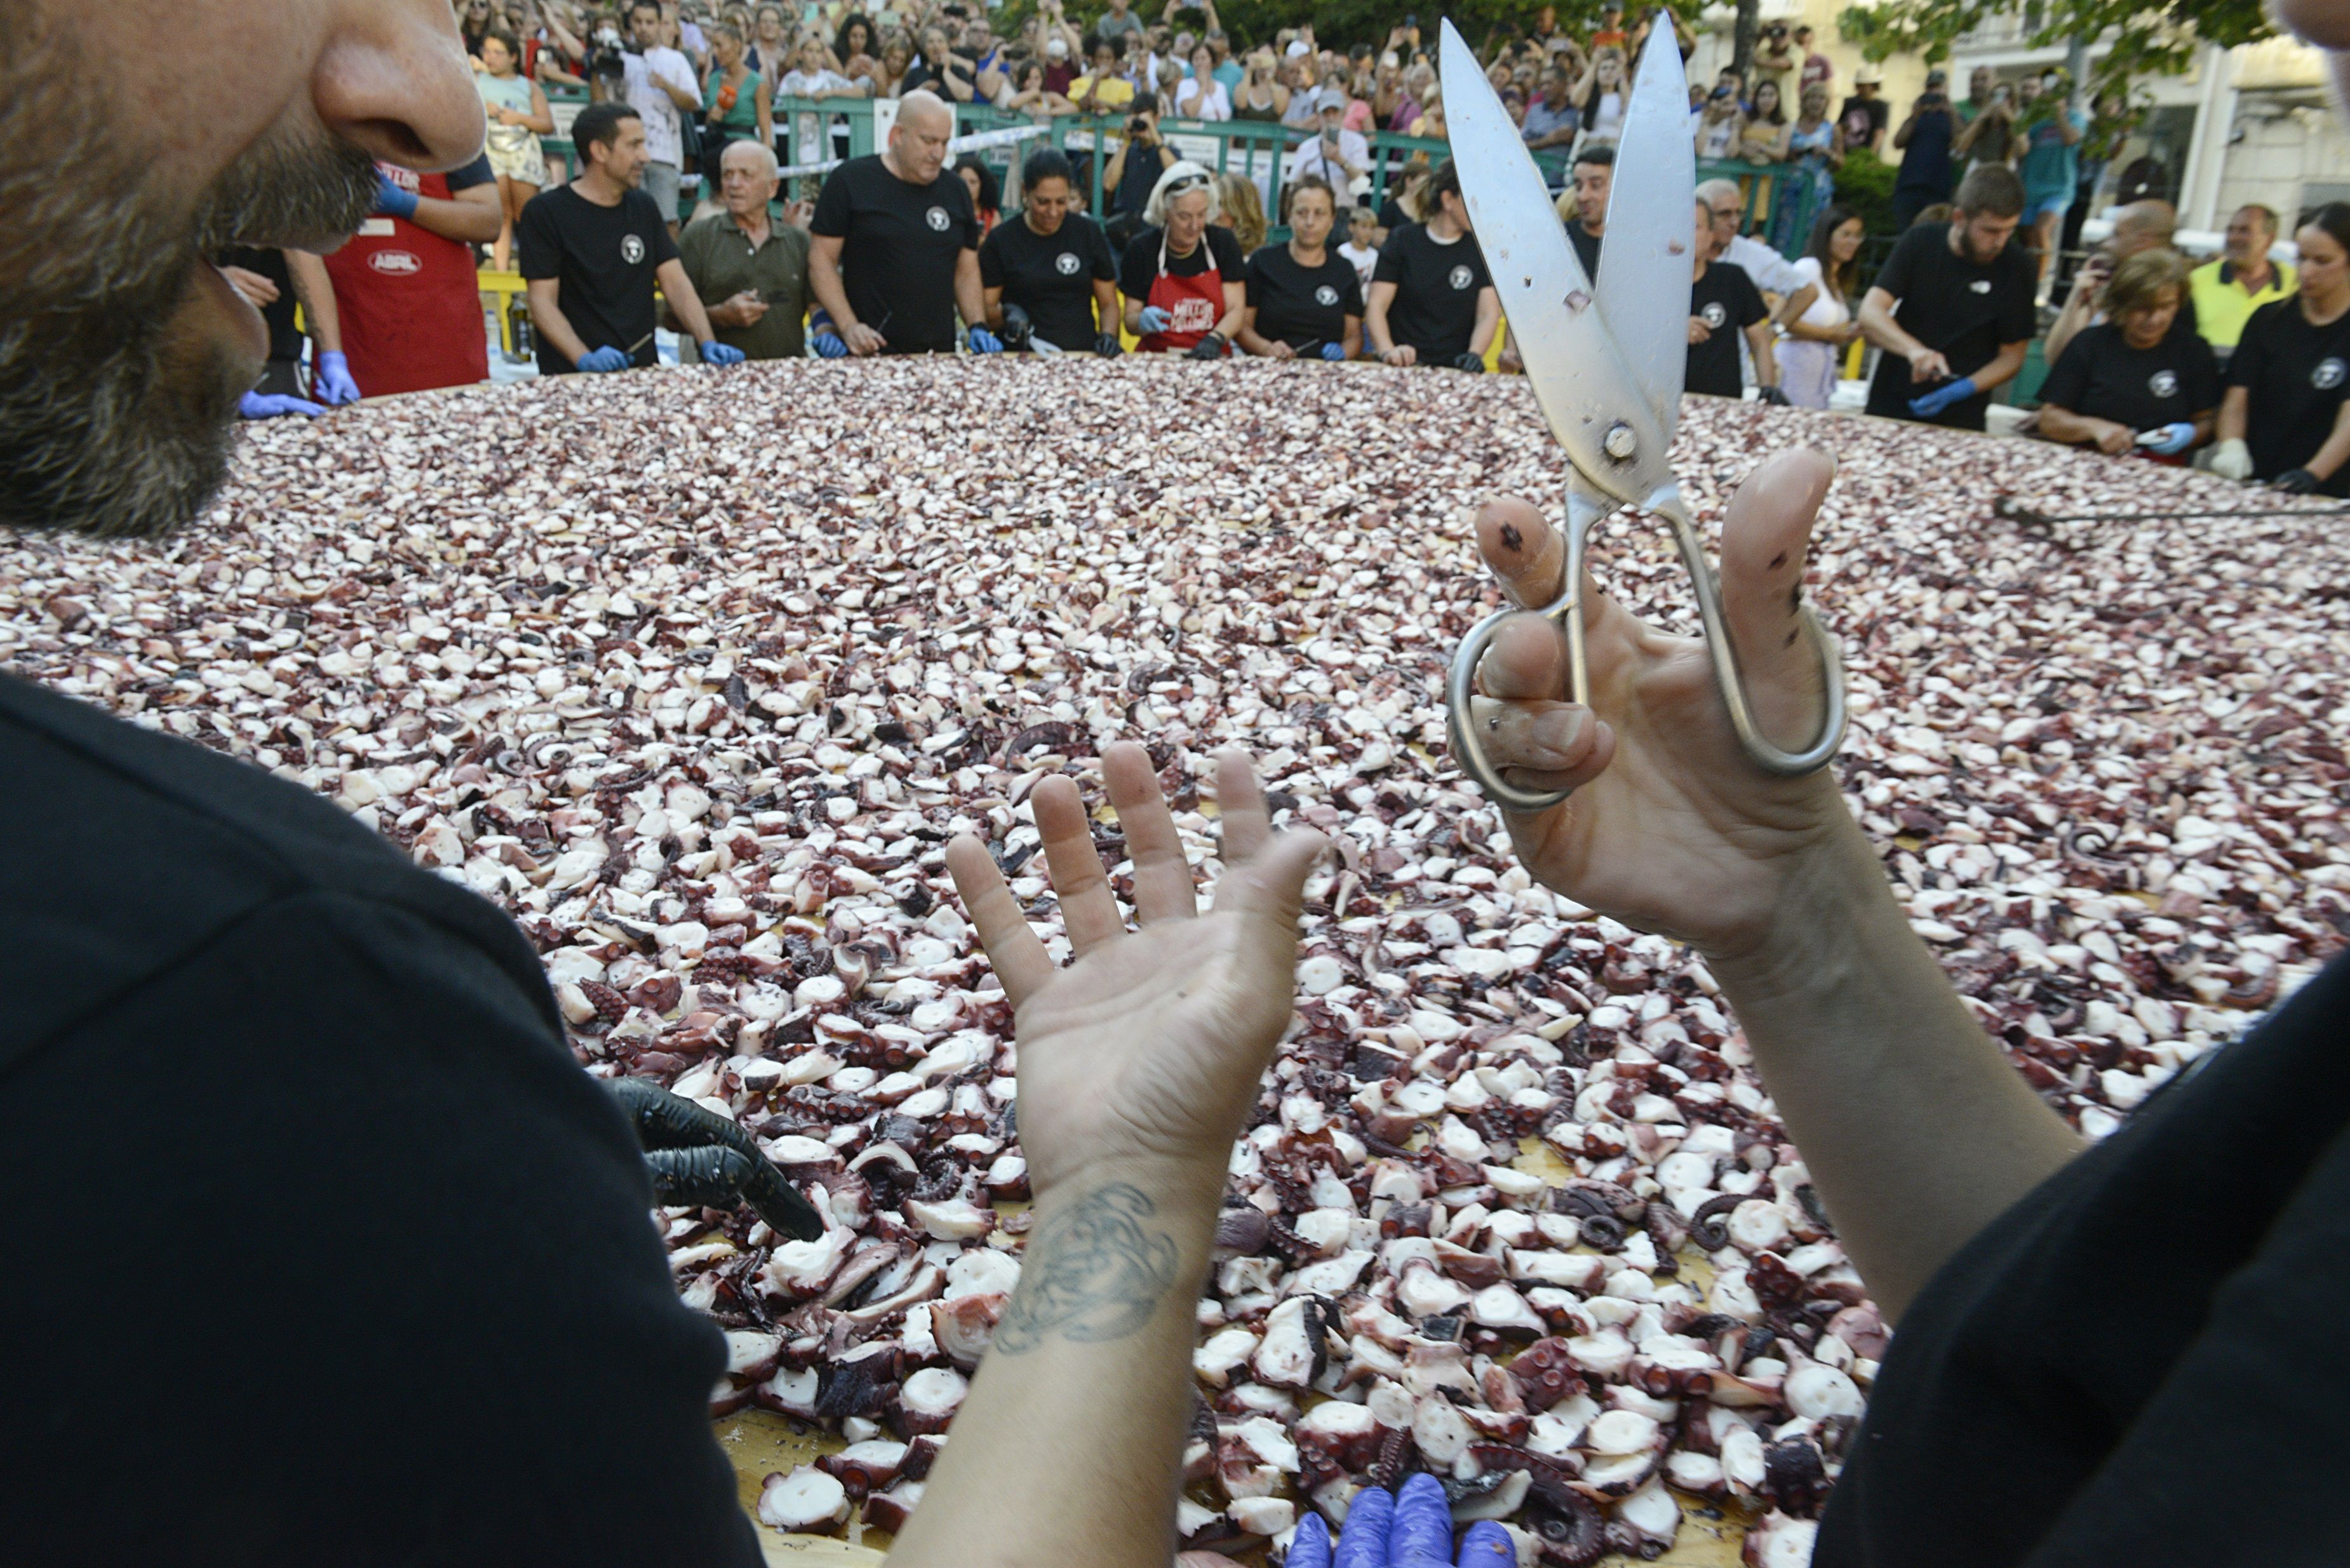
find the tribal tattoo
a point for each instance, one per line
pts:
(1094, 1271)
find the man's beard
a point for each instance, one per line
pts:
(117, 398)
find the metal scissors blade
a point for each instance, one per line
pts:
(1591, 398)
(1651, 226)
(1606, 368)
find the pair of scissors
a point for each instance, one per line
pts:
(1606, 361)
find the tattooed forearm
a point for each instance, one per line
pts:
(1096, 1271)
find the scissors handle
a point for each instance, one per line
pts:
(1585, 507)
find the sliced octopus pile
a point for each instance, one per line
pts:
(695, 675)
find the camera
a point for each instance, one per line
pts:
(605, 61)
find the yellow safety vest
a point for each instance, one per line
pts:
(2222, 306)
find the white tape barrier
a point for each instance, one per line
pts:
(972, 143)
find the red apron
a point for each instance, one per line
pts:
(1193, 306)
(410, 309)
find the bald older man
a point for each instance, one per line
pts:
(2140, 226)
(896, 247)
(752, 269)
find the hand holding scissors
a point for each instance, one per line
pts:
(1606, 362)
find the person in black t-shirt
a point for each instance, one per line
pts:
(2285, 417)
(1953, 309)
(1432, 301)
(1595, 178)
(1048, 274)
(1183, 277)
(896, 248)
(591, 252)
(1725, 303)
(1303, 299)
(2131, 383)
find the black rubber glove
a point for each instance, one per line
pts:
(696, 1156)
(1211, 347)
(2294, 481)
(1108, 346)
(1473, 363)
(1774, 397)
(1017, 328)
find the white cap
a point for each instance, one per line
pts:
(1297, 46)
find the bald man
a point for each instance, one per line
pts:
(896, 247)
(2140, 226)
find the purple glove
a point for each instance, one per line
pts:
(1421, 1534)
(1310, 1547)
(1487, 1546)
(1364, 1542)
(332, 379)
(269, 405)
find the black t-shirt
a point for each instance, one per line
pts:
(1726, 300)
(1925, 161)
(284, 336)
(1139, 267)
(1304, 308)
(1137, 177)
(1435, 305)
(1587, 247)
(384, 1290)
(2294, 377)
(1050, 276)
(900, 245)
(1959, 308)
(2057, 1394)
(2101, 377)
(923, 75)
(1863, 117)
(603, 259)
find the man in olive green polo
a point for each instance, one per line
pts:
(752, 269)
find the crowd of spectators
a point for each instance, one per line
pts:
(916, 250)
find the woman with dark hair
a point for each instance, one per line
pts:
(735, 102)
(1050, 280)
(519, 115)
(986, 190)
(1432, 301)
(1303, 298)
(1766, 140)
(1818, 317)
(2285, 418)
(2130, 383)
(856, 40)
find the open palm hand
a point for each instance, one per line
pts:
(1150, 1044)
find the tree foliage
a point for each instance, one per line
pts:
(2146, 39)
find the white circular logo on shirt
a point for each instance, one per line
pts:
(937, 218)
(2327, 376)
(1461, 276)
(632, 249)
(1981, 286)
(1714, 315)
(1067, 264)
(1325, 295)
(2163, 384)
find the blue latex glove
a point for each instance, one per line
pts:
(1943, 397)
(598, 360)
(828, 346)
(721, 354)
(269, 405)
(332, 379)
(983, 341)
(2175, 438)
(1413, 1531)
(1154, 320)
(391, 199)
(1333, 350)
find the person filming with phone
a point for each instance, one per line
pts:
(1133, 172)
(1338, 155)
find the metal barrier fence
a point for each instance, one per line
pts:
(1781, 199)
